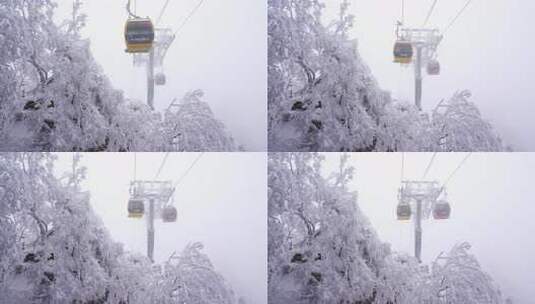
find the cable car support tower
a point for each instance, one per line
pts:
(424, 43)
(156, 196)
(153, 61)
(152, 56)
(150, 45)
(425, 198)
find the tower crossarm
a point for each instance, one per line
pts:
(150, 189)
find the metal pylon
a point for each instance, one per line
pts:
(158, 195)
(422, 195)
(426, 42)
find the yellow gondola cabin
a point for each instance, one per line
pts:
(403, 212)
(136, 208)
(403, 52)
(139, 35)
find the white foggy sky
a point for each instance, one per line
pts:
(221, 203)
(488, 51)
(492, 208)
(222, 50)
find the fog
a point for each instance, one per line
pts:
(221, 50)
(222, 203)
(489, 50)
(491, 197)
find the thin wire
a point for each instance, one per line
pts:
(457, 17)
(402, 11)
(402, 165)
(429, 165)
(187, 171)
(189, 16)
(430, 12)
(162, 12)
(135, 165)
(457, 169)
(161, 165)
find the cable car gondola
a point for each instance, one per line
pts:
(403, 212)
(442, 210)
(433, 68)
(136, 208)
(139, 35)
(403, 52)
(169, 214)
(160, 79)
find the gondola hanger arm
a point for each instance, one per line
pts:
(129, 10)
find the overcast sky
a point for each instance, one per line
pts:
(488, 51)
(492, 208)
(222, 203)
(222, 50)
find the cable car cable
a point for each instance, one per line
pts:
(161, 165)
(162, 12)
(402, 11)
(189, 17)
(430, 12)
(135, 165)
(186, 173)
(188, 170)
(402, 165)
(429, 165)
(456, 169)
(456, 17)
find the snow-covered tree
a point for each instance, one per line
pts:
(55, 97)
(59, 250)
(458, 126)
(457, 277)
(193, 127)
(323, 97)
(323, 249)
(54, 249)
(191, 278)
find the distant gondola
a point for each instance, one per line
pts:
(433, 67)
(442, 210)
(169, 214)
